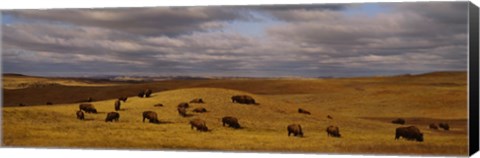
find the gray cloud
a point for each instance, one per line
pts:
(283, 7)
(310, 41)
(407, 37)
(145, 21)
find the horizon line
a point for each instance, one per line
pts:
(226, 76)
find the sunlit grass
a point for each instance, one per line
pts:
(348, 101)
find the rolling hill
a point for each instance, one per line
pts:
(361, 107)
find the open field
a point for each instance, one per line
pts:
(361, 107)
(13, 81)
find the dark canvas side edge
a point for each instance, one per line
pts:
(473, 78)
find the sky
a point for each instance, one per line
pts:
(317, 40)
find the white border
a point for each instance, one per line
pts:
(48, 4)
(74, 153)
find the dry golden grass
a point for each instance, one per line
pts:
(19, 82)
(361, 107)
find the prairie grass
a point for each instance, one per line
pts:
(361, 107)
(19, 82)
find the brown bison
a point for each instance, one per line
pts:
(302, 111)
(148, 92)
(124, 98)
(199, 124)
(49, 103)
(329, 117)
(158, 105)
(243, 99)
(88, 108)
(445, 126)
(112, 116)
(200, 110)
(151, 116)
(141, 94)
(399, 121)
(333, 131)
(80, 115)
(183, 105)
(231, 122)
(182, 111)
(89, 99)
(433, 126)
(21, 104)
(117, 105)
(197, 100)
(409, 133)
(296, 129)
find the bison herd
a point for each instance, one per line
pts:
(408, 133)
(296, 129)
(302, 111)
(243, 99)
(88, 108)
(412, 132)
(145, 93)
(399, 121)
(333, 131)
(152, 117)
(444, 126)
(231, 122)
(112, 116)
(199, 124)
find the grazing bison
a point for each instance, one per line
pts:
(231, 122)
(182, 111)
(80, 115)
(49, 103)
(197, 100)
(329, 117)
(333, 131)
(302, 111)
(148, 92)
(158, 105)
(112, 116)
(445, 126)
(89, 99)
(243, 99)
(200, 110)
(117, 105)
(141, 94)
(88, 108)
(21, 104)
(124, 98)
(199, 124)
(399, 121)
(296, 129)
(151, 116)
(183, 105)
(433, 126)
(409, 133)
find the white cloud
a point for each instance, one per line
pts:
(312, 42)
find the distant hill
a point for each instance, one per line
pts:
(13, 74)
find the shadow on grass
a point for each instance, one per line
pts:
(162, 122)
(187, 115)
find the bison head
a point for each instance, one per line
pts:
(203, 128)
(420, 137)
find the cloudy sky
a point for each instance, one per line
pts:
(259, 41)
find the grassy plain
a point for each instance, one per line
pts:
(20, 82)
(361, 107)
